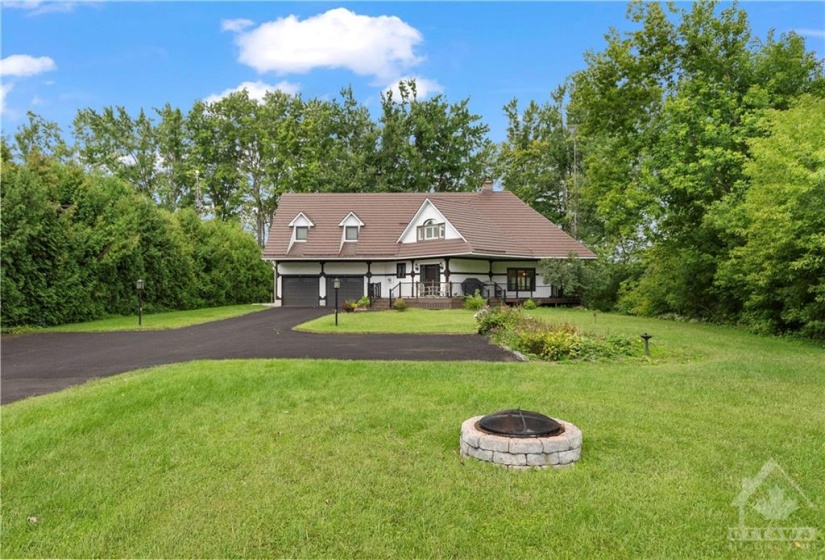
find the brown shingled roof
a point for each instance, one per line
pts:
(493, 223)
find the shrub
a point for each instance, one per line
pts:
(363, 302)
(549, 341)
(349, 305)
(400, 305)
(491, 319)
(530, 305)
(474, 302)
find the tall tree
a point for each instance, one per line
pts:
(113, 142)
(176, 176)
(778, 272)
(429, 145)
(216, 158)
(538, 159)
(667, 112)
(42, 136)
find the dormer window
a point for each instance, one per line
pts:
(351, 225)
(300, 225)
(430, 230)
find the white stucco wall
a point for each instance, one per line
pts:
(384, 273)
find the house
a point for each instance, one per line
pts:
(419, 246)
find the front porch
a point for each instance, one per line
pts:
(450, 295)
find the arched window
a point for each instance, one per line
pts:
(430, 230)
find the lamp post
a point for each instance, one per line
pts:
(336, 284)
(139, 285)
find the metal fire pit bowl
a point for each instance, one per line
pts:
(520, 423)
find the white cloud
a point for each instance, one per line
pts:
(38, 7)
(424, 87)
(817, 33)
(37, 100)
(4, 89)
(369, 46)
(235, 25)
(25, 65)
(256, 90)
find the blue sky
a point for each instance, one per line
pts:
(63, 56)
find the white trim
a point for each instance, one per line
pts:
(413, 223)
(346, 219)
(299, 216)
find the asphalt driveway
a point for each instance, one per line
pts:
(35, 364)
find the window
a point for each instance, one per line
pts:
(351, 233)
(301, 233)
(401, 270)
(521, 279)
(430, 230)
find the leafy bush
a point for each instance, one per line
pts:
(364, 302)
(400, 305)
(529, 305)
(549, 341)
(349, 305)
(491, 319)
(474, 302)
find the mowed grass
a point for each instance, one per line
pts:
(274, 458)
(158, 321)
(411, 321)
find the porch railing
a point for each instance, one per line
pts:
(453, 289)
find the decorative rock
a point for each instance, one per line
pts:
(537, 459)
(569, 456)
(509, 459)
(525, 445)
(482, 454)
(495, 443)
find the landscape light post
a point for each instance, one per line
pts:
(646, 337)
(139, 285)
(336, 284)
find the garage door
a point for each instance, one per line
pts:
(299, 291)
(352, 288)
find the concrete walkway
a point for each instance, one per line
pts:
(35, 364)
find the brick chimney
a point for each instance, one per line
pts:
(487, 186)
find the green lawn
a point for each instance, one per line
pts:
(159, 321)
(276, 458)
(446, 321)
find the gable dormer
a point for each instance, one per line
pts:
(300, 225)
(429, 224)
(351, 228)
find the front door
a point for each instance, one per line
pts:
(431, 279)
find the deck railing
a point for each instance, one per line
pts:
(454, 289)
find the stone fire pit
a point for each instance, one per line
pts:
(556, 451)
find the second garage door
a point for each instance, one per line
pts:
(352, 289)
(300, 291)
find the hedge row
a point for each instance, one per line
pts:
(75, 243)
